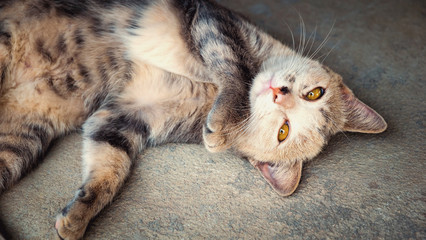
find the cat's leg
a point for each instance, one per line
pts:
(203, 42)
(28, 123)
(223, 47)
(112, 140)
(31, 116)
(23, 141)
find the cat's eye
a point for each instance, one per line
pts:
(283, 132)
(315, 94)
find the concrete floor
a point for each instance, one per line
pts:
(360, 187)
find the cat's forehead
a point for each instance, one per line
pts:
(301, 71)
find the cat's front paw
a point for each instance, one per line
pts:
(214, 141)
(225, 119)
(218, 128)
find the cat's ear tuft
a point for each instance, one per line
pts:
(360, 117)
(284, 179)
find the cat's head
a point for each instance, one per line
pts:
(296, 105)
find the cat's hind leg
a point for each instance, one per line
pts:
(28, 124)
(113, 138)
(155, 107)
(21, 145)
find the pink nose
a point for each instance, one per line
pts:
(283, 98)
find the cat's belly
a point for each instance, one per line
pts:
(164, 99)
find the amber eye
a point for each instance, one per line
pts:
(283, 132)
(315, 94)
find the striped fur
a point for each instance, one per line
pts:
(138, 73)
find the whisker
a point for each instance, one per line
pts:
(313, 35)
(292, 35)
(303, 34)
(328, 53)
(322, 44)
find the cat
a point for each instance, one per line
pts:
(138, 73)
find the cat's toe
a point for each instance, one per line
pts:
(216, 121)
(215, 141)
(221, 123)
(66, 230)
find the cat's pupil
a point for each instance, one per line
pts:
(282, 131)
(311, 94)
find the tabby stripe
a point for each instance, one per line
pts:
(325, 114)
(42, 51)
(136, 125)
(37, 9)
(229, 33)
(97, 100)
(78, 38)
(221, 63)
(70, 82)
(258, 43)
(2, 74)
(327, 70)
(133, 21)
(113, 131)
(19, 135)
(4, 35)
(61, 45)
(97, 27)
(5, 173)
(110, 27)
(53, 87)
(114, 138)
(325, 133)
(128, 66)
(84, 72)
(187, 11)
(208, 38)
(23, 152)
(41, 133)
(110, 53)
(37, 135)
(102, 70)
(71, 8)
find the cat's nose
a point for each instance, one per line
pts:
(283, 97)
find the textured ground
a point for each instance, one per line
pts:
(360, 187)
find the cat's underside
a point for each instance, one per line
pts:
(135, 74)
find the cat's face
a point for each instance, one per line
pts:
(296, 105)
(287, 123)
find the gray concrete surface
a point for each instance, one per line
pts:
(360, 187)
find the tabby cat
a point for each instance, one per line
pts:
(138, 73)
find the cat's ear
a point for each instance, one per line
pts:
(360, 117)
(284, 179)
